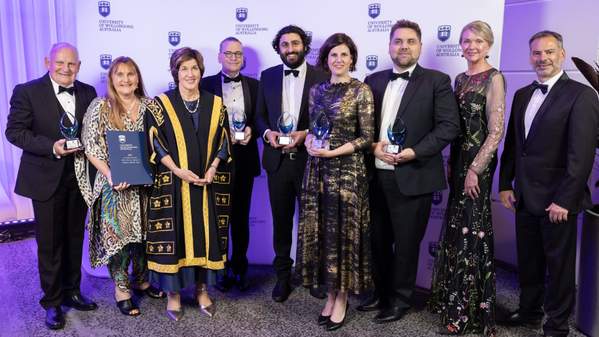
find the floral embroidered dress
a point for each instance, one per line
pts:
(117, 218)
(463, 288)
(334, 233)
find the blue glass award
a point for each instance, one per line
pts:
(286, 123)
(321, 126)
(396, 133)
(239, 120)
(69, 132)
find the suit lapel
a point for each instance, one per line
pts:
(411, 88)
(521, 113)
(247, 98)
(80, 108)
(547, 103)
(218, 85)
(276, 94)
(306, 91)
(49, 97)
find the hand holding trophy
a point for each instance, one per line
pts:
(239, 121)
(321, 126)
(286, 124)
(72, 142)
(397, 133)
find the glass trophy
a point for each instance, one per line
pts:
(286, 123)
(396, 133)
(239, 121)
(69, 132)
(321, 126)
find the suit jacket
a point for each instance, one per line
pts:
(554, 162)
(33, 126)
(246, 157)
(430, 112)
(268, 109)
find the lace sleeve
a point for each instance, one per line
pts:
(495, 110)
(365, 104)
(92, 133)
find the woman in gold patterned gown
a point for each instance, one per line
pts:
(333, 237)
(117, 225)
(463, 288)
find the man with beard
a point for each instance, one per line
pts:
(285, 89)
(548, 156)
(401, 191)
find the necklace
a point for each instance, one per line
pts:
(188, 105)
(128, 109)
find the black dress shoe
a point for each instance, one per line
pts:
(323, 320)
(390, 314)
(242, 282)
(79, 302)
(371, 303)
(54, 318)
(281, 291)
(517, 318)
(318, 293)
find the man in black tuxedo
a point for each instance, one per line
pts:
(403, 183)
(548, 154)
(239, 96)
(285, 88)
(47, 176)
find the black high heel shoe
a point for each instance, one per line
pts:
(331, 326)
(128, 308)
(323, 320)
(150, 291)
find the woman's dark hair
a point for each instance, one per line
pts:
(185, 54)
(333, 41)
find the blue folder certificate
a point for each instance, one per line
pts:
(128, 155)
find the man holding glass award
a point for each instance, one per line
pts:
(282, 121)
(239, 96)
(416, 117)
(44, 120)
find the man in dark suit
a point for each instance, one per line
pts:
(239, 96)
(285, 88)
(47, 176)
(548, 154)
(401, 191)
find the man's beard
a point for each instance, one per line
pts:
(300, 59)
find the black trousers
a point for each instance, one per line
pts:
(546, 249)
(284, 188)
(59, 235)
(240, 224)
(398, 226)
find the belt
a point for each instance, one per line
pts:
(291, 154)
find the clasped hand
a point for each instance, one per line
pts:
(406, 155)
(192, 178)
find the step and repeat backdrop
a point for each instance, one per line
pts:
(150, 30)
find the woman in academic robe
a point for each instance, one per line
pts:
(189, 204)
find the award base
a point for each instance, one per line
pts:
(320, 144)
(284, 140)
(390, 148)
(239, 135)
(72, 144)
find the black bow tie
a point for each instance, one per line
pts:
(405, 75)
(291, 71)
(228, 79)
(70, 90)
(543, 87)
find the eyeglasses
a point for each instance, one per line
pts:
(231, 55)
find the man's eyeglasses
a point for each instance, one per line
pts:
(231, 55)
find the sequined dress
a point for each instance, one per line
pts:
(333, 235)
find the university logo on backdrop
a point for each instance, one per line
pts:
(374, 10)
(241, 14)
(172, 85)
(372, 61)
(104, 8)
(437, 197)
(105, 61)
(443, 32)
(174, 38)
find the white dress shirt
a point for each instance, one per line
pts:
(232, 99)
(293, 89)
(66, 100)
(536, 100)
(391, 101)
